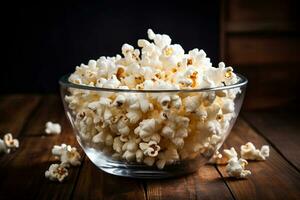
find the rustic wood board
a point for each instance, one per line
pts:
(22, 172)
(281, 127)
(274, 178)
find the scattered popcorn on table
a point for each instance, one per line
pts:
(68, 156)
(249, 152)
(235, 167)
(56, 172)
(153, 128)
(52, 128)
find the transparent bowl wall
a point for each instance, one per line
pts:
(102, 155)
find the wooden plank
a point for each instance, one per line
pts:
(23, 176)
(51, 109)
(281, 128)
(96, 184)
(14, 111)
(206, 183)
(257, 11)
(261, 90)
(252, 50)
(272, 179)
(23, 171)
(261, 27)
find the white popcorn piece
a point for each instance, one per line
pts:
(146, 128)
(10, 142)
(134, 116)
(68, 155)
(52, 128)
(117, 144)
(230, 153)
(130, 149)
(150, 149)
(119, 100)
(228, 106)
(56, 172)
(160, 40)
(58, 149)
(103, 138)
(191, 103)
(220, 159)
(236, 168)
(249, 152)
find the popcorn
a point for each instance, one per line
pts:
(153, 128)
(236, 168)
(134, 115)
(10, 142)
(191, 103)
(230, 153)
(68, 155)
(145, 128)
(56, 172)
(249, 152)
(130, 148)
(150, 149)
(52, 128)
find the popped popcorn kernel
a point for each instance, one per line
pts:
(249, 152)
(10, 142)
(52, 128)
(236, 168)
(56, 172)
(68, 155)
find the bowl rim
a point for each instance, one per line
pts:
(64, 82)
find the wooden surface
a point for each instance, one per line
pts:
(22, 172)
(260, 40)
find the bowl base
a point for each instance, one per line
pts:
(136, 170)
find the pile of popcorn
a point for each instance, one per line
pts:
(153, 128)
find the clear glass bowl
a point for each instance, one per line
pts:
(180, 151)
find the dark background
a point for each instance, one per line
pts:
(42, 42)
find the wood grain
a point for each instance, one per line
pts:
(51, 109)
(96, 184)
(14, 112)
(206, 183)
(250, 50)
(271, 179)
(24, 169)
(257, 11)
(281, 128)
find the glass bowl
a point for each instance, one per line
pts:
(151, 133)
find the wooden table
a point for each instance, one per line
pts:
(22, 172)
